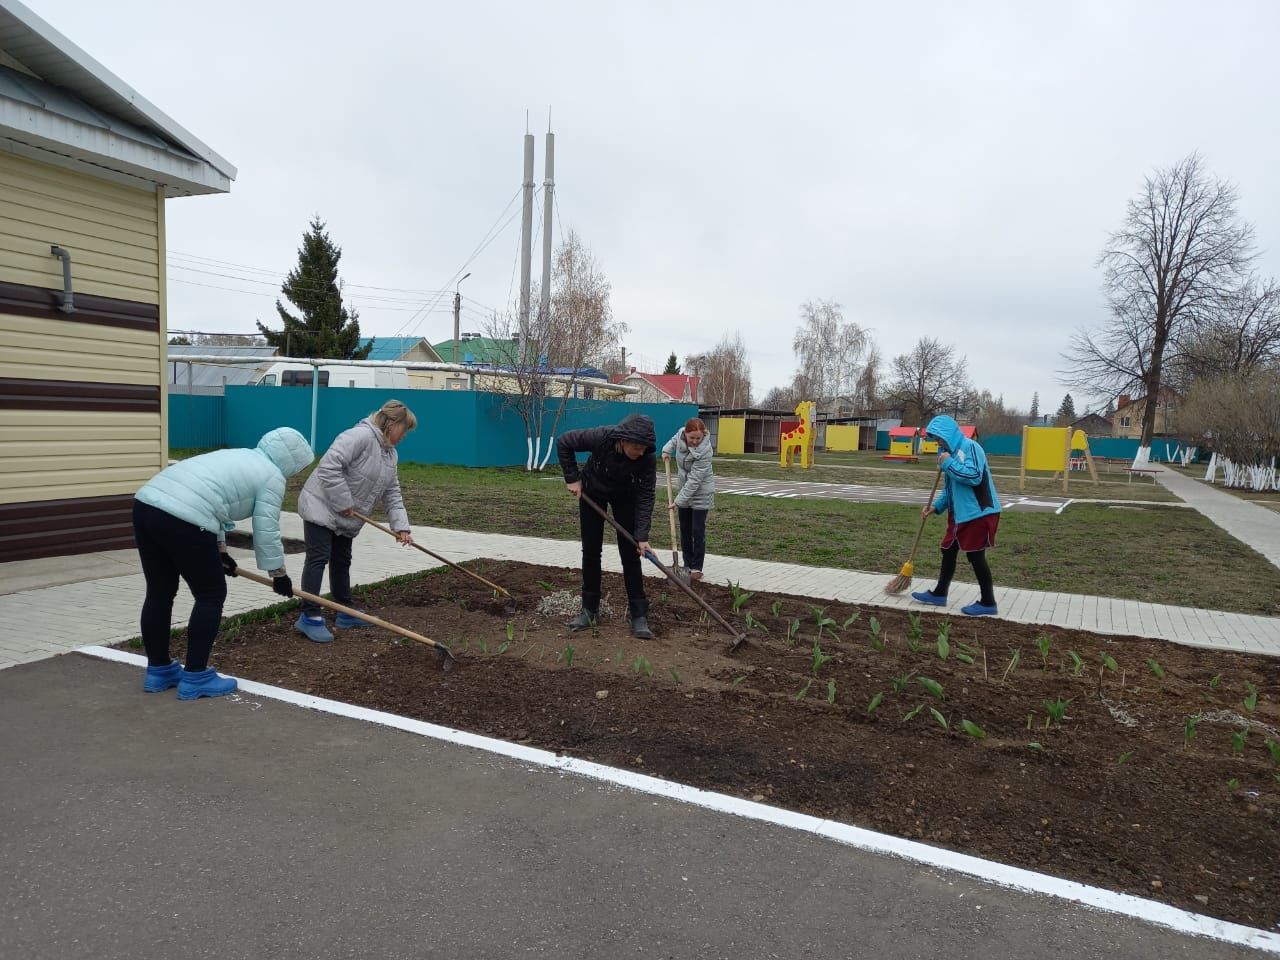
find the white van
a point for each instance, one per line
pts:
(336, 374)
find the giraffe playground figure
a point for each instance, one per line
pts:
(800, 438)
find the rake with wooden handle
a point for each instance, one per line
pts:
(430, 553)
(903, 579)
(738, 638)
(671, 515)
(446, 657)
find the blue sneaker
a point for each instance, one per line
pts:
(159, 679)
(348, 622)
(929, 597)
(313, 629)
(979, 609)
(204, 683)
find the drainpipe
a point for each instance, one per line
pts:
(68, 298)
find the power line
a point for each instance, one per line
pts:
(204, 261)
(272, 296)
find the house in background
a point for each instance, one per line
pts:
(1127, 419)
(481, 350)
(661, 387)
(407, 349)
(86, 165)
(1093, 425)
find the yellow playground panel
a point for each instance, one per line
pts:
(928, 445)
(1050, 449)
(842, 437)
(732, 437)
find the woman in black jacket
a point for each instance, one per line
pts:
(620, 475)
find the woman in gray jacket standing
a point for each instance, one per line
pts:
(692, 452)
(356, 472)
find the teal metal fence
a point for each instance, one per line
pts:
(460, 427)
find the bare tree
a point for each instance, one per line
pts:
(929, 380)
(869, 386)
(577, 332)
(1180, 250)
(781, 398)
(1238, 415)
(1242, 333)
(828, 352)
(992, 417)
(724, 373)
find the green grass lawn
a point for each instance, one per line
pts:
(868, 469)
(1152, 553)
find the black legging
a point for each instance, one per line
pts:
(324, 547)
(592, 526)
(978, 560)
(693, 536)
(171, 548)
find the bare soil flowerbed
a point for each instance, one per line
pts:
(1155, 778)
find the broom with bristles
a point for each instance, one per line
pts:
(903, 579)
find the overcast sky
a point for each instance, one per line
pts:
(939, 169)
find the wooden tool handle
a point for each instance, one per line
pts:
(924, 517)
(339, 608)
(431, 553)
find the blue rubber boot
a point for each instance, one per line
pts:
(313, 629)
(979, 609)
(929, 597)
(204, 683)
(159, 679)
(348, 622)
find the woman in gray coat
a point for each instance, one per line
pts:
(356, 472)
(692, 452)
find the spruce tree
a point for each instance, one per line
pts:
(672, 365)
(1068, 409)
(326, 328)
(1035, 407)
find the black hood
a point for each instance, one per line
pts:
(638, 428)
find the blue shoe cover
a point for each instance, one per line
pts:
(313, 629)
(979, 610)
(204, 683)
(348, 622)
(159, 679)
(929, 597)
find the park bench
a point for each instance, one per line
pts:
(1142, 472)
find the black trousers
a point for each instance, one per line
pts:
(171, 548)
(592, 527)
(326, 548)
(977, 560)
(693, 536)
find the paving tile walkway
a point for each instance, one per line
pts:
(50, 620)
(1249, 523)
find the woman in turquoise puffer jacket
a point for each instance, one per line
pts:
(180, 520)
(969, 499)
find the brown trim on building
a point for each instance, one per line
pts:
(28, 301)
(22, 394)
(54, 528)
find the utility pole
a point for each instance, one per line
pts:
(526, 243)
(457, 311)
(548, 197)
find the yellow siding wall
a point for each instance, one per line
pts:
(110, 230)
(38, 349)
(115, 235)
(57, 454)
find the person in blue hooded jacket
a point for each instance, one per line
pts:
(180, 520)
(969, 499)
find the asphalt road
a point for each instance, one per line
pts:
(138, 826)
